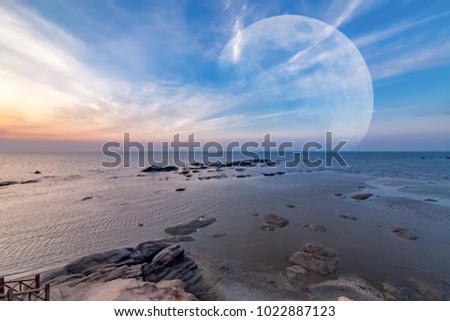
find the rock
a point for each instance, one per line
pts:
(318, 228)
(217, 235)
(280, 173)
(140, 224)
(390, 292)
(338, 194)
(430, 200)
(314, 227)
(180, 190)
(362, 197)
(212, 177)
(273, 221)
(349, 286)
(269, 174)
(239, 169)
(124, 256)
(150, 249)
(318, 258)
(182, 268)
(427, 291)
(413, 290)
(168, 255)
(129, 290)
(404, 233)
(290, 206)
(87, 198)
(255, 214)
(37, 172)
(8, 183)
(153, 169)
(190, 227)
(243, 176)
(348, 217)
(296, 269)
(30, 181)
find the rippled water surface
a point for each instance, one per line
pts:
(77, 207)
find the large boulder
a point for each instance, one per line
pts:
(118, 257)
(318, 258)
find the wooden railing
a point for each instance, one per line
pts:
(24, 290)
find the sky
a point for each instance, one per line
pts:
(75, 74)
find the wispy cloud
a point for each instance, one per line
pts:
(375, 37)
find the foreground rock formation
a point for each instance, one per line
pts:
(153, 270)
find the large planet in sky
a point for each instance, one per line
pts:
(296, 77)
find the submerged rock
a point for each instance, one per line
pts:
(273, 221)
(317, 258)
(180, 190)
(361, 197)
(314, 227)
(190, 227)
(404, 233)
(348, 217)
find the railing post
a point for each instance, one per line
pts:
(2, 285)
(47, 292)
(37, 281)
(10, 295)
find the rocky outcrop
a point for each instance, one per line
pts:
(189, 227)
(144, 268)
(404, 233)
(273, 222)
(317, 258)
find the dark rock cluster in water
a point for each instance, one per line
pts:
(272, 222)
(404, 233)
(316, 257)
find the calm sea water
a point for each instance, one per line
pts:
(47, 223)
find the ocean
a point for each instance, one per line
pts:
(76, 207)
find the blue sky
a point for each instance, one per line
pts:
(78, 73)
